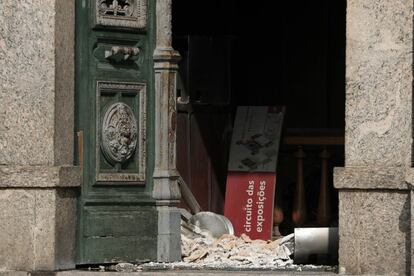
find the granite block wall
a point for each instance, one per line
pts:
(375, 198)
(37, 178)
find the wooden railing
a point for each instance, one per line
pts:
(320, 142)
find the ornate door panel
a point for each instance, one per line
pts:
(115, 97)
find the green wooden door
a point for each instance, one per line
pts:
(117, 219)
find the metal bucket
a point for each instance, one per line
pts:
(216, 224)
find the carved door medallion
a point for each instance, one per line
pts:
(119, 133)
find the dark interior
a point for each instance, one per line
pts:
(282, 53)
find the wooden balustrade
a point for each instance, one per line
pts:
(310, 142)
(324, 208)
(299, 202)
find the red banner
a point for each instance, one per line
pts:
(249, 203)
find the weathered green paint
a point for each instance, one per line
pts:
(117, 221)
(111, 250)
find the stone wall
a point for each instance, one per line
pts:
(379, 82)
(37, 177)
(375, 200)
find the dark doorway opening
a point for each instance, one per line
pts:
(281, 53)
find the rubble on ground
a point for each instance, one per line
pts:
(200, 248)
(201, 251)
(125, 267)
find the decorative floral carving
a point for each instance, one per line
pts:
(119, 133)
(116, 7)
(121, 13)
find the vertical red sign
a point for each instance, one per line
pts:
(249, 203)
(251, 177)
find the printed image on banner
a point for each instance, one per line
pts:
(255, 139)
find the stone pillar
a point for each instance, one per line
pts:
(166, 190)
(374, 198)
(37, 176)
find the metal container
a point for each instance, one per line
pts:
(216, 224)
(316, 245)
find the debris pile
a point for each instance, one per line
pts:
(201, 251)
(200, 248)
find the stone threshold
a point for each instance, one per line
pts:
(165, 273)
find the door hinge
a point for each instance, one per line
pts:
(80, 148)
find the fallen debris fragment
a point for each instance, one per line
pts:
(125, 267)
(198, 246)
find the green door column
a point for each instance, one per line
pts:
(166, 191)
